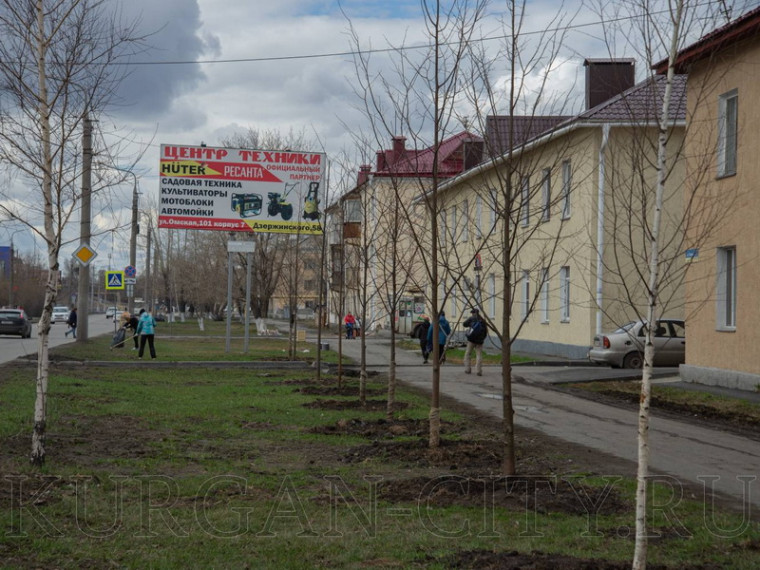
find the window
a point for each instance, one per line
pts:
(465, 221)
(728, 107)
(564, 293)
(453, 225)
(566, 185)
(546, 194)
(492, 294)
(453, 314)
(544, 295)
(494, 206)
(443, 237)
(525, 201)
(478, 217)
(525, 305)
(726, 288)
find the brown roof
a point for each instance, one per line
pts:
(745, 26)
(524, 128)
(452, 155)
(641, 103)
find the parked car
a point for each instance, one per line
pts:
(625, 347)
(15, 321)
(60, 315)
(111, 312)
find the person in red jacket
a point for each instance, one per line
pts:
(350, 322)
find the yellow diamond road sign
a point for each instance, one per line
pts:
(85, 254)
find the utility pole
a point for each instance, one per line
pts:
(133, 243)
(148, 288)
(83, 299)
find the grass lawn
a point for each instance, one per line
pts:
(208, 468)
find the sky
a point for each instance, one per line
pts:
(212, 68)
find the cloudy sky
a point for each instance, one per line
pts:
(213, 68)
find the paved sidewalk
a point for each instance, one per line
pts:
(682, 450)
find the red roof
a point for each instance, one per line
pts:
(455, 155)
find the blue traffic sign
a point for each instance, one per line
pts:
(114, 280)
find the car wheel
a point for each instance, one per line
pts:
(633, 360)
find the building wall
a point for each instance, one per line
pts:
(564, 241)
(727, 211)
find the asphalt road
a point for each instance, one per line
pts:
(11, 347)
(688, 453)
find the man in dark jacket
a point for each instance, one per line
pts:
(420, 332)
(475, 339)
(72, 322)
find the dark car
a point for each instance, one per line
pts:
(625, 347)
(15, 321)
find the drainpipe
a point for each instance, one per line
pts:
(600, 228)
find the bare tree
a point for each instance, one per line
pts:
(55, 67)
(419, 102)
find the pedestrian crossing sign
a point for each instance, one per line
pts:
(114, 280)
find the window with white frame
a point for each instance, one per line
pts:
(453, 304)
(728, 117)
(478, 217)
(492, 295)
(566, 187)
(443, 236)
(465, 221)
(544, 295)
(525, 296)
(726, 288)
(546, 194)
(453, 224)
(493, 206)
(525, 201)
(564, 293)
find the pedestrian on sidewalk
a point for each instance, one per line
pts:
(72, 322)
(444, 330)
(146, 328)
(350, 323)
(420, 332)
(476, 336)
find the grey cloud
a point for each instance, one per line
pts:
(174, 34)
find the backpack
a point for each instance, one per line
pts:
(478, 332)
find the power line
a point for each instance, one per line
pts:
(353, 53)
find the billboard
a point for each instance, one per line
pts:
(240, 190)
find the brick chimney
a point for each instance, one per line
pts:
(399, 149)
(364, 171)
(606, 78)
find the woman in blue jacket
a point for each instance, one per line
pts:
(444, 330)
(146, 328)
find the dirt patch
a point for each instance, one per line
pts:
(367, 406)
(384, 429)
(338, 391)
(489, 560)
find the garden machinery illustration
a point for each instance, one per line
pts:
(278, 203)
(311, 203)
(246, 205)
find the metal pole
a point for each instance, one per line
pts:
(247, 301)
(229, 302)
(148, 288)
(83, 300)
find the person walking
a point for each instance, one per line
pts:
(146, 328)
(420, 332)
(72, 322)
(350, 322)
(475, 339)
(444, 330)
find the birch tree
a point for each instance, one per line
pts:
(56, 66)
